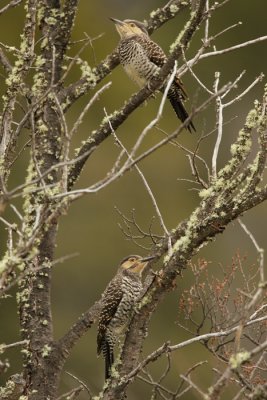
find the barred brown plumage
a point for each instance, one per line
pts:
(118, 301)
(142, 58)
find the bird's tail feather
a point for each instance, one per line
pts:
(177, 104)
(109, 360)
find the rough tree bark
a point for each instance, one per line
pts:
(48, 193)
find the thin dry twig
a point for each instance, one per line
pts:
(11, 4)
(81, 383)
(75, 194)
(154, 202)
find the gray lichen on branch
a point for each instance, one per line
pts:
(236, 188)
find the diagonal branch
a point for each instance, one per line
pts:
(204, 223)
(136, 100)
(157, 19)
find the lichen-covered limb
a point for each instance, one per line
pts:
(259, 393)
(8, 135)
(236, 361)
(221, 203)
(40, 219)
(14, 82)
(182, 41)
(13, 388)
(157, 18)
(67, 21)
(136, 100)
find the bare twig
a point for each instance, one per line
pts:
(75, 194)
(154, 202)
(194, 386)
(4, 347)
(11, 4)
(81, 382)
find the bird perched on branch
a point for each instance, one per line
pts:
(118, 302)
(142, 59)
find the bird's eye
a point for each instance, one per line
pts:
(132, 25)
(132, 259)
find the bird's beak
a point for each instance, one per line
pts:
(146, 259)
(116, 21)
(141, 264)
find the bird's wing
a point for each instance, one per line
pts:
(154, 52)
(180, 86)
(158, 57)
(112, 297)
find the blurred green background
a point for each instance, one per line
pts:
(91, 226)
